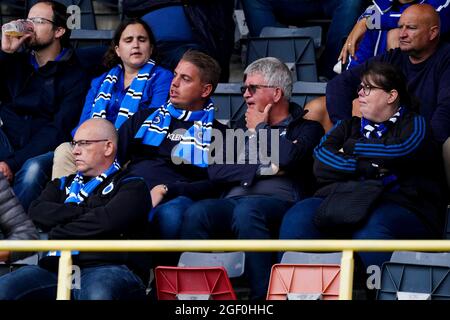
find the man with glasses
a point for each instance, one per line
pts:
(260, 190)
(42, 89)
(99, 202)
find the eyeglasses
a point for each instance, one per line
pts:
(39, 20)
(253, 87)
(84, 143)
(366, 88)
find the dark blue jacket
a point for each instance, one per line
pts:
(39, 107)
(406, 151)
(428, 81)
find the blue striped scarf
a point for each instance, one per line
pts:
(79, 191)
(130, 102)
(194, 145)
(370, 129)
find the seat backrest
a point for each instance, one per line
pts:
(422, 258)
(233, 262)
(304, 282)
(297, 50)
(91, 59)
(229, 103)
(314, 32)
(304, 91)
(190, 283)
(402, 281)
(291, 257)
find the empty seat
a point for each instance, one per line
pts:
(314, 32)
(298, 51)
(200, 276)
(304, 282)
(415, 276)
(305, 276)
(191, 283)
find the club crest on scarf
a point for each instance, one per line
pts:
(194, 145)
(130, 102)
(79, 191)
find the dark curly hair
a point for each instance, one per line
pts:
(110, 59)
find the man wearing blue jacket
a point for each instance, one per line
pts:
(41, 94)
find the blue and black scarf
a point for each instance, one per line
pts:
(194, 145)
(370, 129)
(130, 102)
(78, 191)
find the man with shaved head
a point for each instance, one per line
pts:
(423, 59)
(99, 202)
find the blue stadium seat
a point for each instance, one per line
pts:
(296, 50)
(415, 276)
(314, 32)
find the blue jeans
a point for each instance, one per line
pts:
(279, 13)
(111, 282)
(32, 178)
(167, 218)
(387, 221)
(250, 217)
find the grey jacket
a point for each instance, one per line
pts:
(14, 222)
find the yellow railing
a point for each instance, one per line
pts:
(346, 246)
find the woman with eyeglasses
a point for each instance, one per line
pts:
(134, 82)
(380, 175)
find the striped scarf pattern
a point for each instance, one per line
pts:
(194, 145)
(133, 96)
(78, 191)
(370, 129)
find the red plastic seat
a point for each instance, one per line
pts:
(193, 283)
(304, 281)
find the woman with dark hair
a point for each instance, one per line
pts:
(380, 175)
(133, 82)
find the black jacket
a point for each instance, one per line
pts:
(295, 155)
(405, 151)
(117, 214)
(40, 107)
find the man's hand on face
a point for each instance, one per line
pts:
(12, 44)
(6, 170)
(253, 116)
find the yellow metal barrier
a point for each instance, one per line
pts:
(346, 246)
